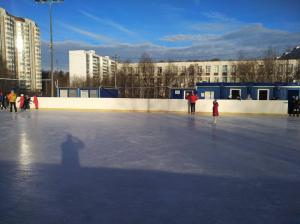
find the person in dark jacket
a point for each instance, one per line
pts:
(27, 103)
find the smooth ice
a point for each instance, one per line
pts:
(148, 168)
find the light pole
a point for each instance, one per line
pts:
(50, 2)
(115, 69)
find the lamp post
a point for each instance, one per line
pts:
(115, 69)
(50, 2)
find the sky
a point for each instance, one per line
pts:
(165, 29)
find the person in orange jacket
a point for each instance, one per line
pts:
(36, 102)
(12, 97)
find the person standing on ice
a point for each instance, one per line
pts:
(215, 111)
(27, 103)
(36, 102)
(12, 98)
(21, 101)
(192, 100)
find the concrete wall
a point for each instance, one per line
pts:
(226, 106)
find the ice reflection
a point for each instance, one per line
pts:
(25, 157)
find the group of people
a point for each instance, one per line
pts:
(192, 98)
(10, 100)
(295, 106)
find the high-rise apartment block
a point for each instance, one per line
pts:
(84, 65)
(20, 50)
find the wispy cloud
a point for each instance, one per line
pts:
(107, 22)
(254, 35)
(89, 34)
(218, 16)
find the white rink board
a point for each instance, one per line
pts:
(167, 105)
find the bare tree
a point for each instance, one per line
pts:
(191, 76)
(297, 72)
(247, 71)
(78, 82)
(269, 62)
(146, 76)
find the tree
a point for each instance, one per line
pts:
(168, 80)
(246, 71)
(191, 76)
(297, 73)
(146, 76)
(269, 62)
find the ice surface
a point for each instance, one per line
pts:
(100, 167)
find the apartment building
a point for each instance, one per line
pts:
(20, 49)
(87, 64)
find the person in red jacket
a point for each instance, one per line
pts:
(192, 99)
(21, 101)
(215, 111)
(36, 102)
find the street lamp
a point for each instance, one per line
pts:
(50, 2)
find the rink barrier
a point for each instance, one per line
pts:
(164, 105)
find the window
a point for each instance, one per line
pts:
(280, 69)
(290, 68)
(216, 69)
(207, 69)
(235, 93)
(263, 94)
(224, 79)
(233, 68)
(216, 79)
(209, 95)
(224, 69)
(200, 69)
(159, 70)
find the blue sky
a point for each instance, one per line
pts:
(178, 29)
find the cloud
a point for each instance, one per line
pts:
(89, 34)
(188, 37)
(218, 16)
(252, 40)
(108, 22)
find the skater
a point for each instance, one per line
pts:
(21, 101)
(36, 102)
(27, 103)
(192, 100)
(4, 102)
(12, 97)
(215, 111)
(187, 97)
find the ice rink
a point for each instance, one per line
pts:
(148, 168)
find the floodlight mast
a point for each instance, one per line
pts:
(50, 2)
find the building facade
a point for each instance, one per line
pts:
(187, 74)
(87, 65)
(20, 50)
